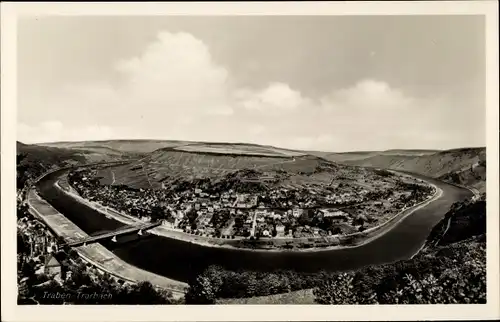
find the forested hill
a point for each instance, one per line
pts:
(34, 160)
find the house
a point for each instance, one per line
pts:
(167, 223)
(52, 266)
(204, 200)
(296, 212)
(206, 219)
(52, 247)
(280, 230)
(334, 214)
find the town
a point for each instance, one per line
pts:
(203, 208)
(50, 272)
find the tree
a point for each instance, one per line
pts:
(157, 213)
(73, 254)
(201, 291)
(22, 246)
(28, 269)
(338, 290)
(79, 276)
(145, 293)
(306, 218)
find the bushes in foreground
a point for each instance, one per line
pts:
(216, 282)
(452, 272)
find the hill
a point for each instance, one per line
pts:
(464, 220)
(473, 176)
(206, 160)
(433, 164)
(465, 166)
(359, 156)
(33, 160)
(238, 149)
(149, 146)
(127, 146)
(165, 160)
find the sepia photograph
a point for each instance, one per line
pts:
(220, 159)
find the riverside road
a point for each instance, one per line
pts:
(180, 260)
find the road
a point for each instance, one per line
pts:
(254, 224)
(401, 241)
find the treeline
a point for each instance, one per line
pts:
(216, 282)
(32, 161)
(452, 273)
(81, 288)
(464, 220)
(383, 172)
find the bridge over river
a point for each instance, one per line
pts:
(113, 234)
(180, 260)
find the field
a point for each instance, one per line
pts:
(128, 146)
(303, 297)
(148, 146)
(238, 149)
(168, 165)
(164, 166)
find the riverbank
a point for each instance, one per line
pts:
(350, 241)
(180, 260)
(129, 220)
(305, 244)
(96, 254)
(105, 260)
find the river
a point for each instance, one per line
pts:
(181, 260)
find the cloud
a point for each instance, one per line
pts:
(276, 97)
(368, 94)
(175, 90)
(53, 131)
(175, 73)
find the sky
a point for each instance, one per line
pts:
(330, 83)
